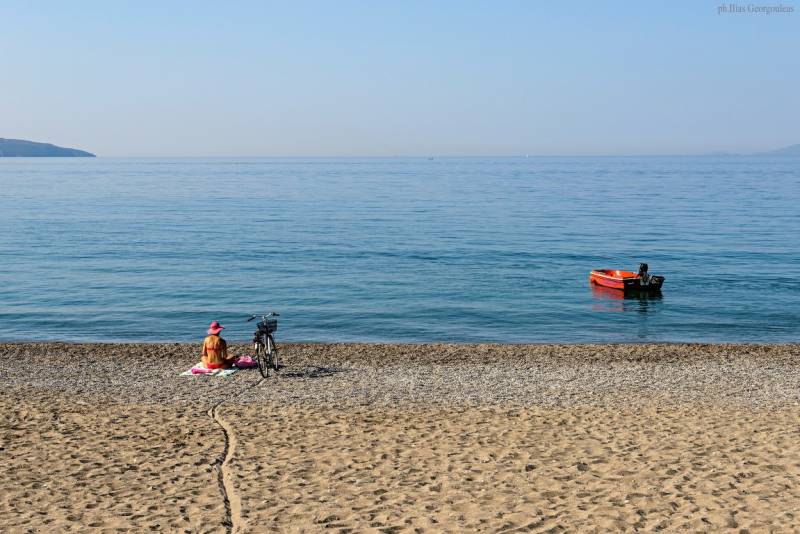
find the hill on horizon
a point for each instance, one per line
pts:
(21, 148)
(791, 150)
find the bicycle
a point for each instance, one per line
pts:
(264, 343)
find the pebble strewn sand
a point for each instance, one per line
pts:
(559, 375)
(403, 438)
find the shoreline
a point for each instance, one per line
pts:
(240, 343)
(346, 344)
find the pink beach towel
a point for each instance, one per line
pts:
(200, 369)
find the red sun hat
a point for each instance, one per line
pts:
(215, 328)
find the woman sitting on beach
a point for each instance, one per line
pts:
(215, 350)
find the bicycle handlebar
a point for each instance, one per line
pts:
(270, 314)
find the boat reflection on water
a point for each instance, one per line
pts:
(615, 300)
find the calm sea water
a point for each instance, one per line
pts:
(396, 249)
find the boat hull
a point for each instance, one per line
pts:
(624, 281)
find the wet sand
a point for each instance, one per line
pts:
(402, 438)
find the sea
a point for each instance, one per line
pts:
(483, 249)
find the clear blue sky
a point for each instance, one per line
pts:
(398, 78)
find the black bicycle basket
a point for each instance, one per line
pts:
(270, 325)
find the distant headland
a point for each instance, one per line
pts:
(791, 150)
(28, 149)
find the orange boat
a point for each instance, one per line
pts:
(625, 280)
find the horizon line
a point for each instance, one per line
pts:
(421, 156)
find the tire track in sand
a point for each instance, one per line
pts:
(233, 504)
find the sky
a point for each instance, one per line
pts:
(398, 78)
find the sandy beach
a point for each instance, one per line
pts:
(402, 438)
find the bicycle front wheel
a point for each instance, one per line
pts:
(262, 358)
(272, 350)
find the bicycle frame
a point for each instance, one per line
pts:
(264, 343)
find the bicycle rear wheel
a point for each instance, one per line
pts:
(262, 358)
(272, 351)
